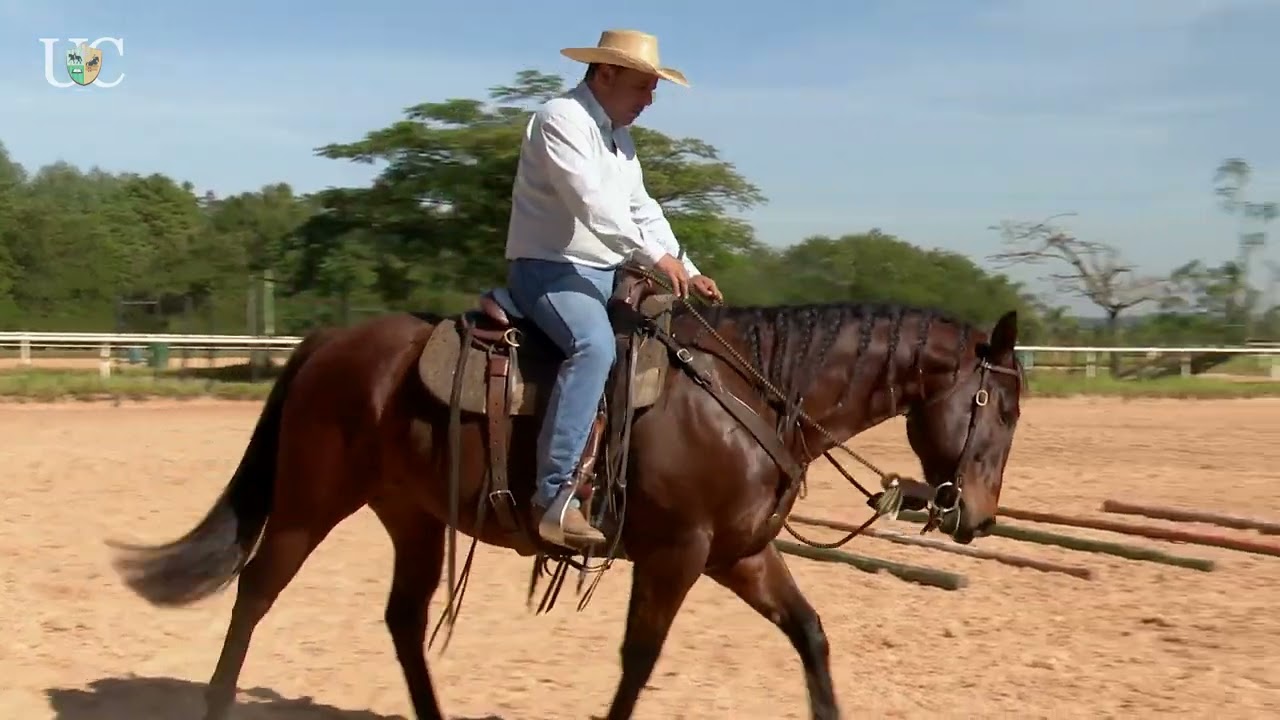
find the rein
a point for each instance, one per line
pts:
(898, 489)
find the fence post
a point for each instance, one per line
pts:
(1091, 364)
(24, 353)
(1275, 367)
(1186, 365)
(104, 361)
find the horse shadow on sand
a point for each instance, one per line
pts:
(160, 698)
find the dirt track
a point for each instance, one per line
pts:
(1139, 640)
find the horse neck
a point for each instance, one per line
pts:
(878, 368)
(851, 367)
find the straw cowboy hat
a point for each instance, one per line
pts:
(628, 48)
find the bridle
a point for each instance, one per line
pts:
(908, 493)
(897, 489)
(945, 497)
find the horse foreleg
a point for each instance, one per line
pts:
(763, 582)
(419, 554)
(659, 583)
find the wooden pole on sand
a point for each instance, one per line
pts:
(1129, 552)
(1172, 535)
(1195, 516)
(979, 553)
(1083, 573)
(910, 573)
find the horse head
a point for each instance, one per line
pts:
(962, 432)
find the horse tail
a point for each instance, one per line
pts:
(212, 554)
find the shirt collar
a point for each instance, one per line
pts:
(582, 93)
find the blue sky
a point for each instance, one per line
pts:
(931, 119)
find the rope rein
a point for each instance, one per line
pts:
(890, 501)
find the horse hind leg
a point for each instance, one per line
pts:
(295, 528)
(418, 539)
(280, 555)
(763, 582)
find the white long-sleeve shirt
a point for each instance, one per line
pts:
(579, 194)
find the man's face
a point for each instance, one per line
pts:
(624, 93)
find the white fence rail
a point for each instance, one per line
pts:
(1185, 354)
(106, 343)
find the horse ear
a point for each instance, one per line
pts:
(1004, 336)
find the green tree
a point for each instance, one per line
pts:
(1231, 179)
(249, 238)
(437, 214)
(65, 249)
(1202, 304)
(879, 267)
(12, 178)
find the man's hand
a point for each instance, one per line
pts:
(675, 272)
(706, 287)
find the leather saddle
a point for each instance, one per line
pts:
(496, 326)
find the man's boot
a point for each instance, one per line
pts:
(565, 522)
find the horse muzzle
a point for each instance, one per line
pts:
(958, 526)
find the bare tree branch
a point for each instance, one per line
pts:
(1094, 271)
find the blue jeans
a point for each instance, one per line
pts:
(567, 302)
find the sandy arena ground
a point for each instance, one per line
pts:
(1140, 640)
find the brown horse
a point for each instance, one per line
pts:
(350, 423)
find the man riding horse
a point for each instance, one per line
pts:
(579, 210)
(717, 464)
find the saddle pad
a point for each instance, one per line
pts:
(532, 375)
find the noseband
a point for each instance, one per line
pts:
(946, 496)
